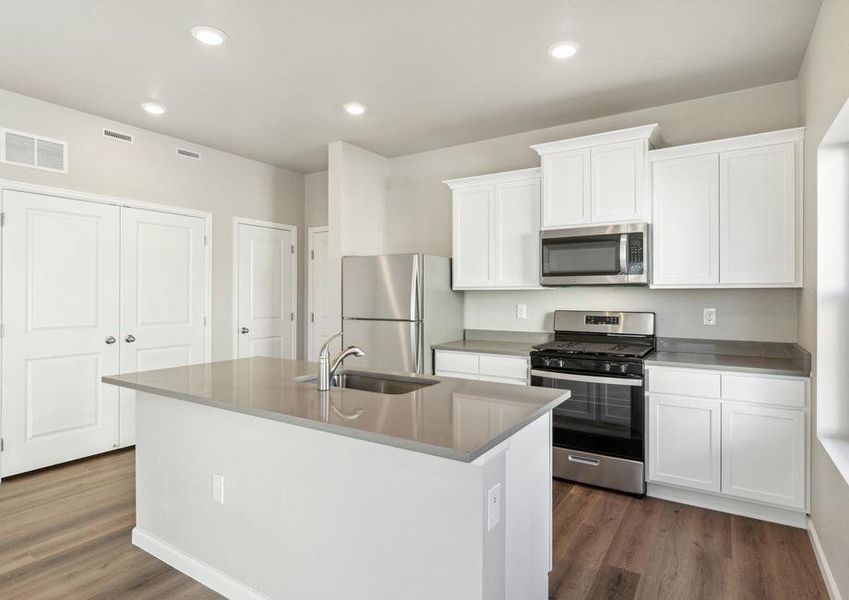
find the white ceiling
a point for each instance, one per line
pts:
(432, 72)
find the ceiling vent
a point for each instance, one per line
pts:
(28, 150)
(117, 135)
(188, 153)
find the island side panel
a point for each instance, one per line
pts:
(529, 511)
(306, 514)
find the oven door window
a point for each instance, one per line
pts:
(597, 255)
(599, 417)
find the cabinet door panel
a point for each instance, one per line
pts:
(473, 237)
(763, 454)
(757, 207)
(684, 441)
(685, 200)
(517, 233)
(618, 181)
(566, 188)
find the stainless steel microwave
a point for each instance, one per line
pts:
(605, 255)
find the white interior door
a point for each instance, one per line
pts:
(163, 297)
(320, 324)
(60, 311)
(266, 293)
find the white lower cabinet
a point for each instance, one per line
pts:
(497, 368)
(749, 443)
(763, 453)
(684, 441)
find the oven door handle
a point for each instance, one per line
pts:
(588, 378)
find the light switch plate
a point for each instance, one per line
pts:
(521, 311)
(710, 316)
(493, 506)
(218, 488)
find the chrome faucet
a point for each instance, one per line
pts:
(326, 367)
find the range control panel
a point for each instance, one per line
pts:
(602, 319)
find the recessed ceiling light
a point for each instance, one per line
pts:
(563, 50)
(211, 36)
(153, 108)
(354, 108)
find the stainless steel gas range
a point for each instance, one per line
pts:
(598, 432)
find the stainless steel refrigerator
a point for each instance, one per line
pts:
(395, 306)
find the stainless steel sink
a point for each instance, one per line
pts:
(373, 382)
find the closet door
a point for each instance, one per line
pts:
(267, 265)
(60, 311)
(162, 297)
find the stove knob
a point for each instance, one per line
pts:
(560, 364)
(607, 366)
(623, 368)
(546, 362)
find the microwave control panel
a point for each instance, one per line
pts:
(636, 264)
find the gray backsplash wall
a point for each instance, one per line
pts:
(758, 315)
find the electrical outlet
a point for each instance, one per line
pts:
(218, 488)
(521, 311)
(493, 506)
(710, 316)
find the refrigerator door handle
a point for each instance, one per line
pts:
(414, 290)
(415, 345)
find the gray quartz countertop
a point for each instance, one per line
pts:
(425, 420)
(487, 347)
(752, 357)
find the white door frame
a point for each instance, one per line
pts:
(310, 276)
(295, 305)
(32, 188)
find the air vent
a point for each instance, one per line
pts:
(188, 153)
(117, 135)
(28, 150)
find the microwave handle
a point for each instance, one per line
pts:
(623, 253)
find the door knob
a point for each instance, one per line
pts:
(245, 330)
(130, 339)
(110, 339)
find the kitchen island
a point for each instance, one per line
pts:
(258, 485)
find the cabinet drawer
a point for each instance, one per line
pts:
(502, 367)
(509, 380)
(457, 362)
(683, 382)
(440, 373)
(764, 390)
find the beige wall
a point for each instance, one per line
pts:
(824, 88)
(315, 199)
(149, 170)
(419, 219)
(315, 215)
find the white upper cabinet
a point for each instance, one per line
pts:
(472, 237)
(516, 236)
(686, 190)
(728, 213)
(496, 230)
(757, 207)
(566, 191)
(597, 178)
(618, 181)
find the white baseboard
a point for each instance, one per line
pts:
(734, 506)
(197, 570)
(822, 561)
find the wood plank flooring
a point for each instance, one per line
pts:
(65, 533)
